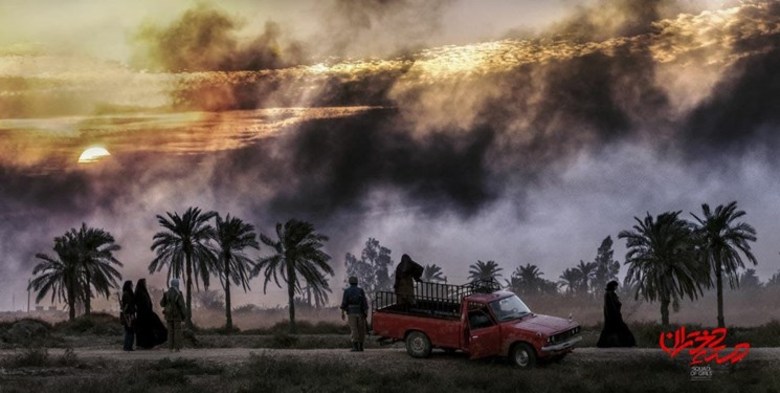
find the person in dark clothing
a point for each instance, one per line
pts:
(355, 306)
(149, 329)
(615, 332)
(127, 314)
(406, 273)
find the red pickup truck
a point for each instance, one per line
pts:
(479, 319)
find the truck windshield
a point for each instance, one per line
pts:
(509, 308)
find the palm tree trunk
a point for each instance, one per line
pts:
(71, 304)
(719, 283)
(291, 295)
(188, 261)
(228, 316)
(87, 295)
(665, 312)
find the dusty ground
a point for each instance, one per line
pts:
(388, 357)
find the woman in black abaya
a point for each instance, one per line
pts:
(149, 329)
(615, 332)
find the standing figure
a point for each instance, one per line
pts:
(355, 306)
(149, 329)
(406, 273)
(175, 311)
(127, 314)
(615, 332)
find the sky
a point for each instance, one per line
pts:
(454, 131)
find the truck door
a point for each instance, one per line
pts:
(484, 334)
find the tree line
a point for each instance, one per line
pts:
(668, 258)
(193, 247)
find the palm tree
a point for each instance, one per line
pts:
(723, 242)
(95, 249)
(60, 276)
(527, 280)
(484, 271)
(319, 289)
(587, 272)
(433, 273)
(297, 254)
(183, 247)
(571, 278)
(662, 261)
(232, 237)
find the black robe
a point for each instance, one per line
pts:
(615, 332)
(150, 331)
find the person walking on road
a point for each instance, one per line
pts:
(355, 306)
(615, 332)
(127, 315)
(175, 312)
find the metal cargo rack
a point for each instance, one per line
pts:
(433, 299)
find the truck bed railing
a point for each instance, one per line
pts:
(433, 298)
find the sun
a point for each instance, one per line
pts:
(93, 154)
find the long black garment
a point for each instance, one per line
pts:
(150, 331)
(615, 332)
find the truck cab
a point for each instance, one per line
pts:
(484, 322)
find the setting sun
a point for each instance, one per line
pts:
(93, 154)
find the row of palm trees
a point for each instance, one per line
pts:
(191, 248)
(671, 258)
(668, 259)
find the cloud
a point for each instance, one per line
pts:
(379, 27)
(456, 144)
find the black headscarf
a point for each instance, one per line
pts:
(142, 299)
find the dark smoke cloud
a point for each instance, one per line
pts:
(743, 113)
(452, 148)
(207, 39)
(336, 164)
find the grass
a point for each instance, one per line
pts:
(303, 327)
(38, 357)
(264, 373)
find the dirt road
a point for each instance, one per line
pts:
(396, 356)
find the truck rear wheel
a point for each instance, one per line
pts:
(523, 356)
(418, 345)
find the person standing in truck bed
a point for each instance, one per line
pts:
(406, 273)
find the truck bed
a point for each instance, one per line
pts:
(425, 308)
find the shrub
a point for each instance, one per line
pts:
(25, 332)
(30, 357)
(283, 339)
(101, 324)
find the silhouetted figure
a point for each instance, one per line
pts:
(615, 332)
(127, 315)
(149, 329)
(355, 305)
(175, 311)
(406, 273)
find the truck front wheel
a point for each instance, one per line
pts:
(418, 345)
(523, 356)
